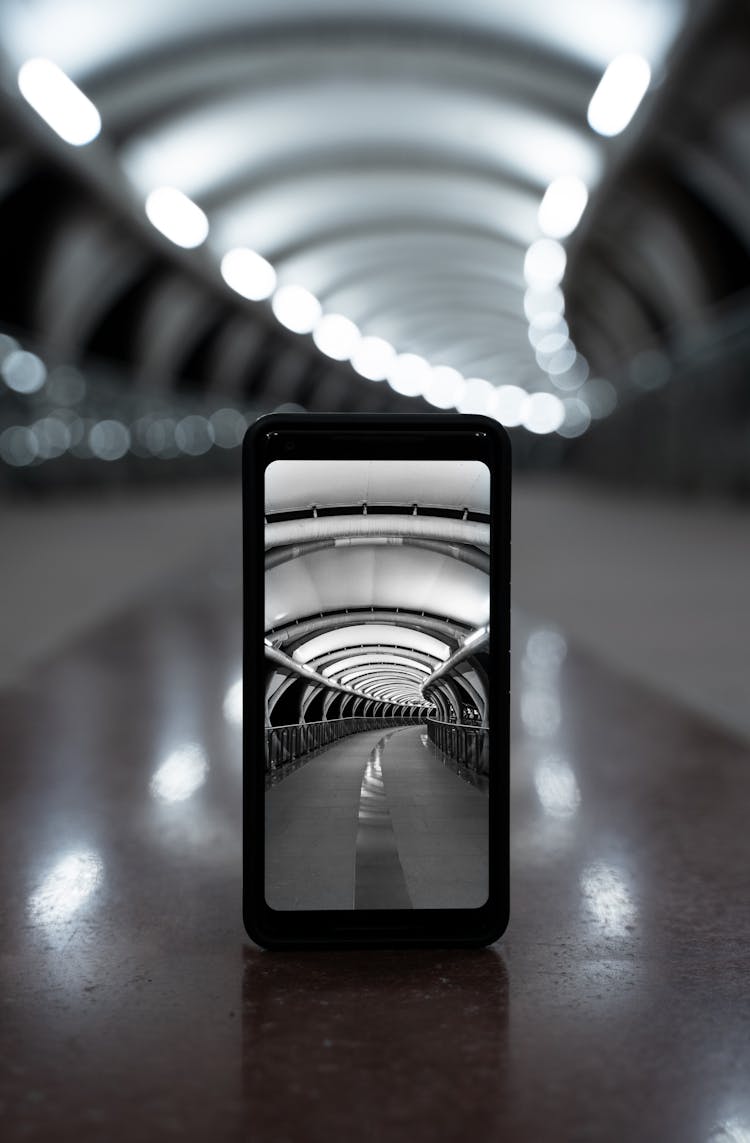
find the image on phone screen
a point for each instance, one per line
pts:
(377, 611)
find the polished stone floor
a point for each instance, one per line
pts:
(376, 821)
(133, 1007)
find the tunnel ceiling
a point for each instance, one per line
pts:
(391, 160)
(386, 608)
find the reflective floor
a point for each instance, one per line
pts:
(133, 1007)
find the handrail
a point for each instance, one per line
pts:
(383, 718)
(292, 744)
(463, 743)
(468, 725)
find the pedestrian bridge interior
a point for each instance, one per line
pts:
(377, 630)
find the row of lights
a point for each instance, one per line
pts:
(611, 108)
(64, 427)
(76, 119)
(110, 439)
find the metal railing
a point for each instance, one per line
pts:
(285, 744)
(467, 745)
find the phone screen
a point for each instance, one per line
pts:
(377, 612)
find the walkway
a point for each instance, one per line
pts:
(377, 821)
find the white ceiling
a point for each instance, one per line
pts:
(389, 157)
(300, 485)
(381, 577)
(371, 635)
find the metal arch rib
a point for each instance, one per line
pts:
(302, 671)
(449, 631)
(463, 553)
(314, 528)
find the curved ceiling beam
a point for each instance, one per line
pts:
(480, 356)
(355, 655)
(441, 629)
(205, 148)
(382, 162)
(368, 659)
(421, 316)
(292, 667)
(425, 251)
(714, 179)
(147, 84)
(616, 293)
(362, 678)
(290, 212)
(312, 528)
(461, 552)
(474, 693)
(88, 265)
(395, 682)
(178, 314)
(444, 329)
(388, 694)
(477, 641)
(401, 225)
(355, 287)
(373, 669)
(466, 309)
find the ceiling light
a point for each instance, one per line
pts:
(562, 206)
(545, 323)
(544, 264)
(248, 274)
(560, 360)
(177, 217)
(408, 374)
(620, 91)
(193, 435)
(296, 308)
(23, 372)
(18, 445)
(476, 396)
(372, 357)
(506, 405)
(573, 377)
(109, 440)
(543, 300)
(601, 397)
(61, 104)
(444, 387)
(551, 341)
(577, 417)
(542, 413)
(336, 336)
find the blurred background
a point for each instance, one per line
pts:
(539, 212)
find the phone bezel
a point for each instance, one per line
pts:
(389, 437)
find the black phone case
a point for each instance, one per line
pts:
(360, 436)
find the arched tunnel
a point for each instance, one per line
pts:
(376, 632)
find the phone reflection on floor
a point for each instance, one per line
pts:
(393, 1041)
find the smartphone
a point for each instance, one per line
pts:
(376, 680)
